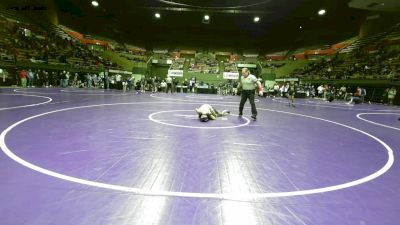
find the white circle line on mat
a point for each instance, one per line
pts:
(30, 105)
(379, 124)
(228, 196)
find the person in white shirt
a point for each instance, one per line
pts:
(163, 86)
(248, 84)
(168, 80)
(206, 112)
(320, 90)
(391, 95)
(2, 75)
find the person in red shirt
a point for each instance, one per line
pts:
(23, 74)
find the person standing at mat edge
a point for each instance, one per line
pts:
(247, 84)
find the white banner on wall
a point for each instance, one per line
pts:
(287, 79)
(230, 75)
(247, 65)
(175, 73)
(119, 71)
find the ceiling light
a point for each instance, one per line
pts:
(321, 12)
(256, 19)
(157, 15)
(95, 3)
(301, 27)
(206, 17)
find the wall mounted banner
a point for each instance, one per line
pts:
(175, 73)
(230, 75)
(119, 71)
(287, 79)
(247, 65)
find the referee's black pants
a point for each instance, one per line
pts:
(247, 94)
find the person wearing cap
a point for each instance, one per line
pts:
(247, 84)
(206, 112)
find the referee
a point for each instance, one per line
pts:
(248, 83)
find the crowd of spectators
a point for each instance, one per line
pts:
(134, 56)
(26, 43)
(30, 77)
(178, 64)
(327, 92)
(230, 67)
(204, 64)
(383, 63)
(271, 65)
(162, 56)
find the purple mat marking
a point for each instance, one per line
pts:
(119, 145)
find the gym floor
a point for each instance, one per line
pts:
(94, 157)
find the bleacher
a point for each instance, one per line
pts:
(178, 64)
(352, 62)
(204, 64)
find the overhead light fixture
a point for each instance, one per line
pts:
(157, 15)
(95, 3)
(301, 27)
(256, 19)
(321, 12)
(206, 19)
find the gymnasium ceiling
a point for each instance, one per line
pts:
(231, 24)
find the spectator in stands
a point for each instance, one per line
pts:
(88, 80)
(64, 79)
(106, 81)
(175, 84)
(39, 78)
(163, 86)
(95, 80)
(124, 85)
(356, 97)
(276, 90)
(2, 76)
(185, 84)
(363, 93)
(342, 92)
(143, 84)
(326, 91)
(285, 89)
(320, 90)
(384, 98)
(130, 81)
(153, 84)
(192, 84)
(391, 95)
(290, 94)
(30, 78)
(168, 80)
(74, 80)
(23, 74)
(138, 87)
(235, 88)
(157, 82)
(118, 81)
(46, 79)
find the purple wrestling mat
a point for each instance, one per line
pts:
(94, 157)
